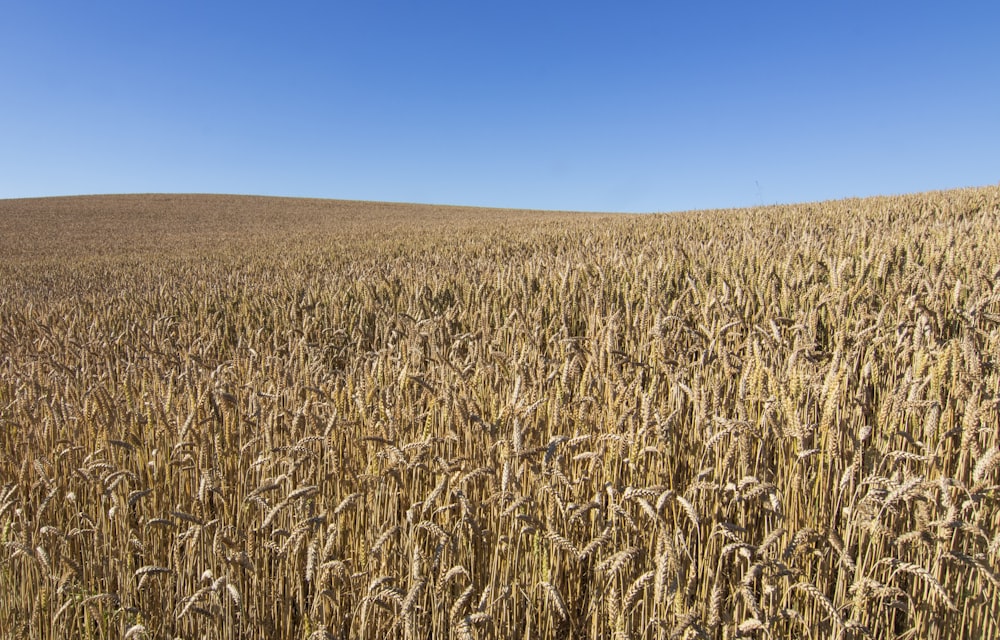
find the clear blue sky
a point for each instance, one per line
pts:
(626, 106)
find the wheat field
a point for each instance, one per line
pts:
(234, 417)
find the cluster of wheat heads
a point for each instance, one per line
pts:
(772, 423)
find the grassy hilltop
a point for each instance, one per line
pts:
(247, 417)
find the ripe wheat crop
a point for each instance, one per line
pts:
(265, 418)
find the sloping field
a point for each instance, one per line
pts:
(237, 417)
(112, 225)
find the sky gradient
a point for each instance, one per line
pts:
(626, 106)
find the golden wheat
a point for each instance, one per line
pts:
(270, 418)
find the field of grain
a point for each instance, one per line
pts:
(227, 417)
